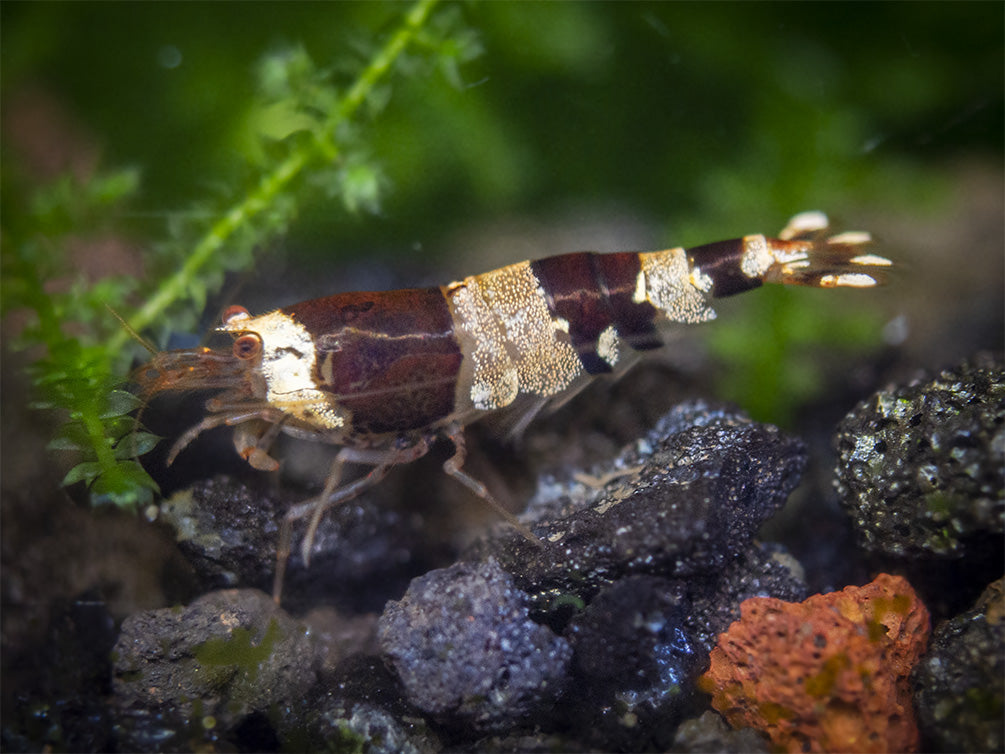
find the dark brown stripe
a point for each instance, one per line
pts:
(575, 294)
(721, 262)
(635, 322)
(592, 291)
(389, 357)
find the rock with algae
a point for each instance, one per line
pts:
(960, 683)
(827, 674)
(920, 464)
(194, 677)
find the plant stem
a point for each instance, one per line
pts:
(176, 286)
(382, 62)
(91, 419)
(276, 181)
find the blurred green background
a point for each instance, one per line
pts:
(697, 121)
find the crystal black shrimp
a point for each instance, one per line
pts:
(385, 374)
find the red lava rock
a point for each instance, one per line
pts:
(829, 674)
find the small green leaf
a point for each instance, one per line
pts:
(120, 403)
(65, 443)
(282, 119)
(136, 444)
(87, 472)
(120, 426)
(283, 73)
(456, 51)
(127, 485)
(71, 436)
(360, 185)
(109, 188)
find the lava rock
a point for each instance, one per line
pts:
(709, 734)
(208, 672)
(230, 534)
(360, 707)
(920, 465)
(466, 651)
(634, 664)
(763, 570)
(960, 683)
(226, 531)
(827, 674)
(684, 500)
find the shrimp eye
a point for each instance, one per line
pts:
(234, 313)
(248, 346)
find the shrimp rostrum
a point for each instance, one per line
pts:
(385, 374)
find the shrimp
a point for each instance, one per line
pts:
(385, 374)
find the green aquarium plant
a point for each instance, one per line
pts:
(82, 335)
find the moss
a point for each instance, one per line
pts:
(984, 703)
(239, 649)
(943, 505)
(822, 684)
(348, 741)
(567, 599)
(773, 712)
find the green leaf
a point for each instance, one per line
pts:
(114, 186)
(360, 187)
(280, 120)
(128, 485)
(119, 403)
(118, 427)
(71, 436)
(136, 444)
(87, 472)
(65, 443)
(281, 73)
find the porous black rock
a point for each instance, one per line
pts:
(684, 500)
(642, 641)
(762, 570)
(634, 665)
(920, 465)
(960, 682)
(208, 672)
(359, 706)
(230, 534)
(466, 652)
(710, 734)
(226, 531)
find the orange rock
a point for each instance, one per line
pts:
(830, 674)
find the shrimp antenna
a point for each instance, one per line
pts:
(137, 420)
(129, 329)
